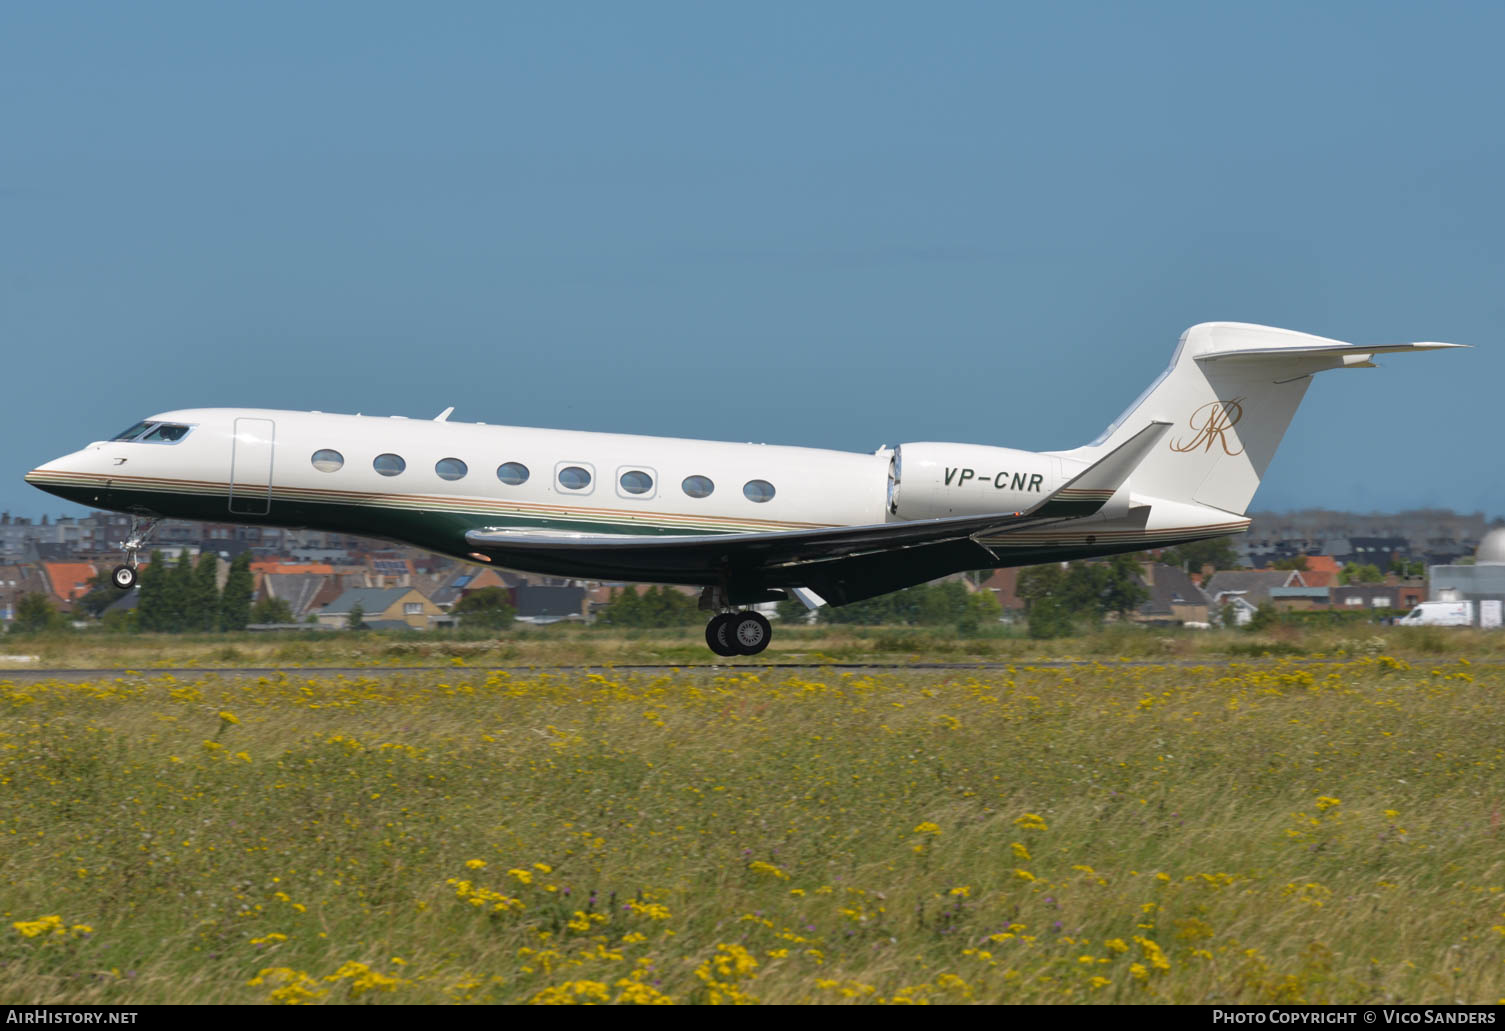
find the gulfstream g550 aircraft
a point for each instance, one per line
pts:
(747, 522)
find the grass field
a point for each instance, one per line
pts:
(573, 644)
(1270, 829)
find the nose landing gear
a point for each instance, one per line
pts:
(124, 576)
(738, 633)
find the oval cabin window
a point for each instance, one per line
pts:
(328, 461)
(450, 469)
(635, 481)
(698, 486)
(758, 490)
(512, 473)
(572, 477)
(389, 465)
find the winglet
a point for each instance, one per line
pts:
(1090, 489)
(444, 415)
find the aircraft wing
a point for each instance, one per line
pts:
(841, 563)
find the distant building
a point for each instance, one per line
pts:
(17, 581)
(549, 604)
(389, 570)
(1174, 598)
(1320, 571)
(1003, 584)
(301, 591)
(1482, 583)
(1253, 585)
(1378, 596)
(385, 606)
(472, 579)
(1375, 551)
(21, 538)
(68, 581)
(1427, 532)
(1301, 599)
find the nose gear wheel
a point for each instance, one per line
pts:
(124, 576)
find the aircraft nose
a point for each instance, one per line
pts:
(59, 476)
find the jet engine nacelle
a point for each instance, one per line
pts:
(930, 481)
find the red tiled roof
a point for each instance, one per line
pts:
(69, 580)
(1004, 583)
(273, 566)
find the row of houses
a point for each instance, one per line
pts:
(390, 590)
(393, 591)
(1431, 536)
(406, 587)
(96, 537)
(1178, 597)
(61, 583)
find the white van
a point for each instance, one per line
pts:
(1439, 613)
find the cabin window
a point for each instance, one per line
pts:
(132, 433)
(698, 486)
(328, 461)
(757, 490)
(166, 433)
(635, 481)
(389, 465)
(572, 477)
(512, 473)
(450, 469)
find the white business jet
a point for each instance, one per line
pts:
(747, 522)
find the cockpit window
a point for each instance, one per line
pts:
(149, 432)
(166, 433)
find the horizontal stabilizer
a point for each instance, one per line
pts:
(1091, 488)
(1333, 350)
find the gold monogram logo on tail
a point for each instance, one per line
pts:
(1212, 422)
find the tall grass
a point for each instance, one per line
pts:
(573, 644)
(1322, 831)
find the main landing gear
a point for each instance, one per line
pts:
(738, 633)
(124, 576)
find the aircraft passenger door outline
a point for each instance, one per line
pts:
(251, 466)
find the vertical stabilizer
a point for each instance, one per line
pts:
(1229, 394)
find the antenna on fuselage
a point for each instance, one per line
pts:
(444, 415)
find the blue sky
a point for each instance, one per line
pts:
(835, 224)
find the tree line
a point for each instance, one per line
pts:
(174, 598)
(1058, 598)
(184, 597)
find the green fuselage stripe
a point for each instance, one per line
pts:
(435, 529)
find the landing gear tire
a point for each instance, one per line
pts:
(123, 577)
(719, 637)
(750, 633)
